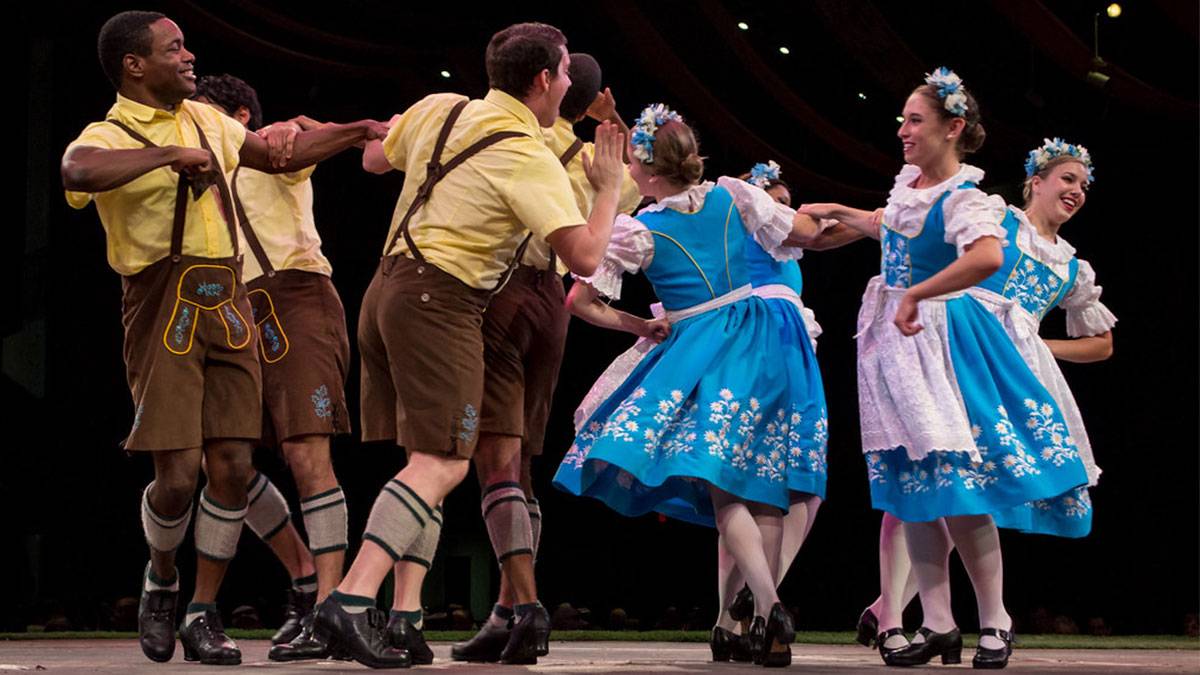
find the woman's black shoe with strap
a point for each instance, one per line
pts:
(993, 659)
(948, 645)
(867, 628)
(881, 642)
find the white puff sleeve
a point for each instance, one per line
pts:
(1086, 315)
(970, 214)
(766, 219)
(630, 249)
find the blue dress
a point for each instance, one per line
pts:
(966, 427)
(1036, 277)
(714, 403)
(780, 284)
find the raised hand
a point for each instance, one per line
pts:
(606, 170)
(604, 107)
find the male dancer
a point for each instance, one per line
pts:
(304, 352)
(156, 169)
(478, 176)
(525, 330)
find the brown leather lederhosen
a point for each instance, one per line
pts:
(303, 394)
(524, 336)
(198, 306)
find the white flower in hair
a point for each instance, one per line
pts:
(762, 174)
(1051, 148)
(950, 89)
(648, 122)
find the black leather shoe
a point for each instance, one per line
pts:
(204, 640)
(305, 646)
(947, 645)
(881, 642)
(994, 658)
(156, 624)
(721, 643)
(361, 635)
(867, 628)
(543, 631)
(485, 646)
(777, 638)
(522, 646)
(299, 605)
(742, 608)
(403, 635)
(756, 638)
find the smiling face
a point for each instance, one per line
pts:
(925, 137)
(167, 73)
(1059, 192)
(546, 94)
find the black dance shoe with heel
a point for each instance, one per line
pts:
(994, 659)
(948, 645)
(881, 642)
(867, 628)
(778, 633)
(742, 608)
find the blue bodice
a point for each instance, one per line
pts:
(1026, 279)
(908, 260)
(697, 256)
(765, 270)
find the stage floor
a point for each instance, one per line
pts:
(120, 656)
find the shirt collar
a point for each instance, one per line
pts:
(516, 108)
(140, 111)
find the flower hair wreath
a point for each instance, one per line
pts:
(1052, 149)
(762, 174)
(647, 125)
(950, 89)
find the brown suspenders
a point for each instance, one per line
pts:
(182, 190)
(567, 156)
(260, 254)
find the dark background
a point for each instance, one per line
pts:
(69, 531)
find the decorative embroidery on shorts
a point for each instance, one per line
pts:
(185, 320)
(272, 338)
(321, 404)
(209, 290)
(468, 423)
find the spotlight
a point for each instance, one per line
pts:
(743, 25)
(784, 50)
(1113, 10)
(862, 96)
(446, 74)
(900, 119)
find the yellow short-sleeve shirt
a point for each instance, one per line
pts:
(559, 139)
(479, 213)
(137, 216)
(279, 208)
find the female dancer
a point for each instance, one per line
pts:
(780, 284)
(1040, 272)
(704, 428)
(944, 395)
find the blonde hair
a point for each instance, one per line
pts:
(1027, 189)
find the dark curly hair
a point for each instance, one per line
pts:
(518, 53)
(125, 33)
(231, 93)
(585, 85)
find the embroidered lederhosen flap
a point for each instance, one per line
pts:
(272, 341)
(205, 289)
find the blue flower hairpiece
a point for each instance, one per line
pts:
(653, 116)
(1051, 149)
(762, 174)
(950, 89)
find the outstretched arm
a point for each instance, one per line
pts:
(865, 222)
(92, 169)
(309, 147)
(584, 302)
(1084, 349)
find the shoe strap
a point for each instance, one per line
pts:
(891, 632)
(1000, 633)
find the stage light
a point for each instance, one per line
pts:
(899, 119)
(446, 74)
(784, 50)
(743, 25)
(1114, 10)
(862, 96)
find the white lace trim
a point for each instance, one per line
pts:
(1086, 315)
(1057, 254)
(630, 249)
